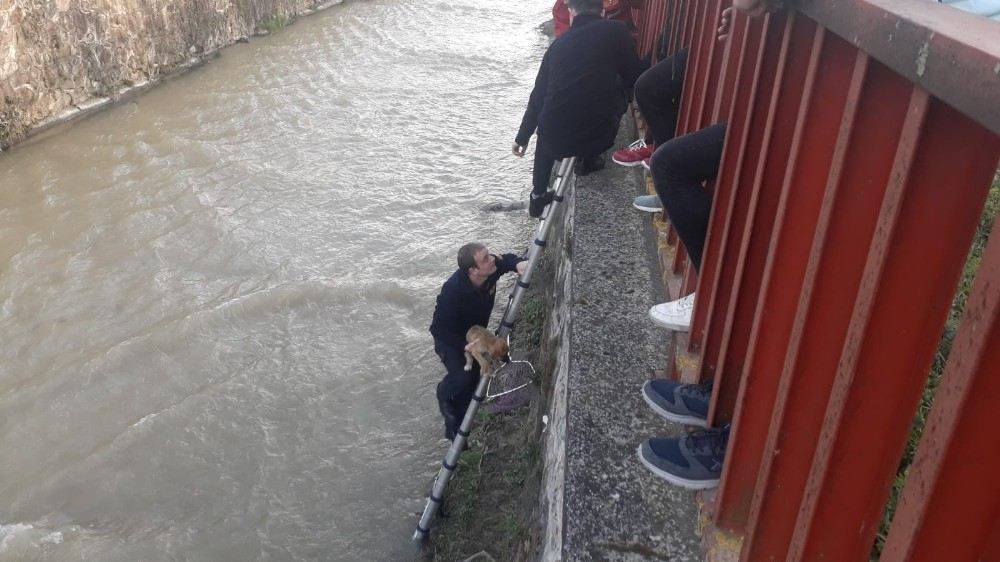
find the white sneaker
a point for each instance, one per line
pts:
(674, 315)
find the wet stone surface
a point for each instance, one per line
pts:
(615, 509)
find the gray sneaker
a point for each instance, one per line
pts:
(678, 402)
(648, 203)
(693, 461)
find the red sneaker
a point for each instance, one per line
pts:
(634, 154)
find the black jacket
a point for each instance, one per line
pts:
(461, 305)
(573, 104)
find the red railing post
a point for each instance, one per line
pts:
(736, 212)
(900, 311)
(862, 155)
(950, 505)
(751, 33)
(821, 113)
(796, 66)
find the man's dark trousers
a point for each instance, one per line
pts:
(679, 167)
(455, 391)
(658, 95)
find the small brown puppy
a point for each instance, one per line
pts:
(485, 348)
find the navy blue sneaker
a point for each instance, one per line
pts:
(693, 461)
(678, 402)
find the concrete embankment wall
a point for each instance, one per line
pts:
(598, 501)
(63, 58)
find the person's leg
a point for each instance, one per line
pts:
(453, 392)
(541, 172)
(679, 167)
(658, 95)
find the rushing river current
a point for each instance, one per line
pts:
(214, 299)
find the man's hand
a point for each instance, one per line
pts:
(469, 346)
(518, 150)
(753, 8)
(725, 21)
(521, 266)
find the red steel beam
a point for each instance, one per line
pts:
(952, 54)
(719, 324)
(698, 60)
(821, 116)
(868, 131)
(950, 505)
(689, 93)
(680, 259)
(728, 71)
(796, 67)
(653, 14)
(682, 23)
(675, 27)
(913, 267)
(741, 216)
(716, 52)
(751, 34)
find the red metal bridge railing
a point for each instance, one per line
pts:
(863, 137)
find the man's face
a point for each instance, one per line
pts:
(486, 264)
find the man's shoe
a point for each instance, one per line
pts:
(674, 315)
(645, 163)
(648, 203)
(634, 154)
(678, 402)
(538, 203)
(693, 461)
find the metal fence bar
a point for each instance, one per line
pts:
(952, 54)
(862, 156)
(708, 86)
(901, 308)
(820, 118)
(949, 506)
(737, 212)
(755, 203)
(798, 50)
(723, 186)
(674, 22)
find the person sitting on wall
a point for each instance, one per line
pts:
(576, 102)
(679, 167)
(466, 300)
(658, 96)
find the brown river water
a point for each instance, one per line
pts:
(214, 298)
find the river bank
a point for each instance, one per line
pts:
(65, 61)
(493, 506)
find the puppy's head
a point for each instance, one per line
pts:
(498, 348)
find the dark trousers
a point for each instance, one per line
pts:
(658, 95)
(455, 391)
(679, 167)
(541, 170)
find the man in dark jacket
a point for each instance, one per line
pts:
(577, 99)
(466, 300)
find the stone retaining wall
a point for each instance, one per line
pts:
(60, 56)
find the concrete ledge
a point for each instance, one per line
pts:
(602, 504)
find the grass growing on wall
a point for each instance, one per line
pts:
(990, 214)
(272, 24)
